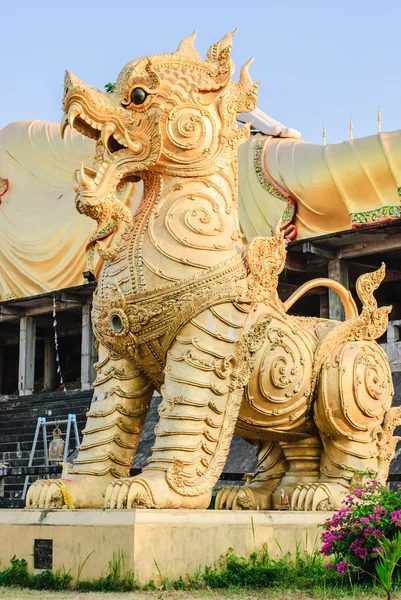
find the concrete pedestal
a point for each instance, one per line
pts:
(179, 541)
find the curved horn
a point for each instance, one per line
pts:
(245, 81)
(186, 48)
(248, 96)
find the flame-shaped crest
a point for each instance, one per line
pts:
(186, 48)
(210, 75)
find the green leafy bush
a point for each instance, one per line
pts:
(17, 575)
(307, 571)
(233, 571)
(47, 580)
(388, 561)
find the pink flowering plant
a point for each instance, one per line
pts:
(353, 535)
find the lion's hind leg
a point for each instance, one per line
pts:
(353, 396)
(256, 494)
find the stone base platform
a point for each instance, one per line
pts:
(179, 541)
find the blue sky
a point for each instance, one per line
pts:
(318, 61)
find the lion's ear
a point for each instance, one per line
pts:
(247, 90)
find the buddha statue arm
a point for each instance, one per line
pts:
(301, 170)
(335, 187)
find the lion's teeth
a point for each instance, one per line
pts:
(120, 139)
(63, 125)
(74, 111)
(107, 131)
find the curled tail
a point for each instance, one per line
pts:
(369, 325)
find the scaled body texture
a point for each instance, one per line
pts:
(184, 307)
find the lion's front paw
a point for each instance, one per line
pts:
(76, 491)
(244, 497)
(318, 496)
(129, 493)
(48, 493)
(150, 490)
(226, 497)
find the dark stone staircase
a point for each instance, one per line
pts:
(18, 419)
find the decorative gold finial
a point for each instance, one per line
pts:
(379, 120)
(324, 134)
(351, 129)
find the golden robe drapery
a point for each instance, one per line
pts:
(42, 236)
(318, 190)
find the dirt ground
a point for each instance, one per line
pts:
(17, 594)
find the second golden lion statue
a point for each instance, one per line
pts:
(183, 307)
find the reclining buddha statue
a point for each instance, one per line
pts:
(314, 189)
(183, 306)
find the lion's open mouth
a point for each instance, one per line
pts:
(81, 122)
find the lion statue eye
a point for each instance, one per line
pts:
(138, 96)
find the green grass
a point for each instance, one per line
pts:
(303, 577)
(248, 594)
(117, 579)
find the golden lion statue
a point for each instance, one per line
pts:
(184, 308)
